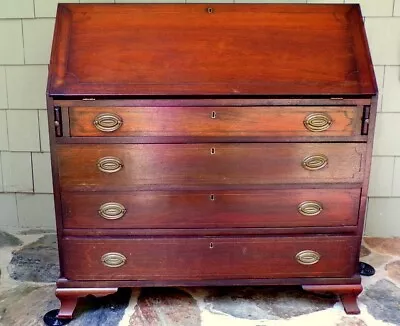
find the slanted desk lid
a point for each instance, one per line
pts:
(203, 50)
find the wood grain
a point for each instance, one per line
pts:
(216, 121)
(279, 49)
(261, 69)
(194, 164)
(195, 258)
(212, 209)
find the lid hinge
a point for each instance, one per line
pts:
(58, 121)
(365, 120)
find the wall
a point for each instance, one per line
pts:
(26, 28)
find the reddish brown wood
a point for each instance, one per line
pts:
(354, 279)
(364, 191)
(278, 50)
(69, 298)
(195, 164)
(202, 258)
(220, 102)
(207, 139)
(216, 121)
(348, 294)
(226, 231)
(260, 68)
(212, 209)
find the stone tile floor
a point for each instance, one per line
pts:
(29, 267)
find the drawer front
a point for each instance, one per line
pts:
(123, 167)
(219, 209)
(215, 121)
(195, 258)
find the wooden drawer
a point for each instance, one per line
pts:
(215, 121)
(123, 167)
(200, 258)
(218, 209)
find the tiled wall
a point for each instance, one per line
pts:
(26, 28)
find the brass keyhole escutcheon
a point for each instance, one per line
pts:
(212, 150)
(213, 115)
(212, 197)
(210, 10)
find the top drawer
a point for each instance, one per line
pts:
(250, 121)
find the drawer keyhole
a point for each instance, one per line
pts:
(212, 197)
(212, 150)
(213, 115)
(211, 245)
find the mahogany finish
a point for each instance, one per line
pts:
(69, 298)
(311, 45)
(219, 144)
(216, 257)
(212, 209)
(207, 164)
(347, 292)
(216, 121)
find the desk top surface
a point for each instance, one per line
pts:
(200, 50)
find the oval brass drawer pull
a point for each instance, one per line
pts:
(109, 164)
(310, 208)
(317, 122)
(314, 162)
(308, 257)
(108, 122)
(113, 259)
(112, 211)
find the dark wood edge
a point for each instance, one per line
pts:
(281, 237)
(367, 171)
(75, 90)
(371, 133)
(272, 7)
(279, 231)
(344, 185)
(214, 102)
(56, 180)
(64, 283)
(361, 48)
(188, 140)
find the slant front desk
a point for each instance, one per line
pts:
(197, 145)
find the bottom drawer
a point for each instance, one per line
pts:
(202, 258)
